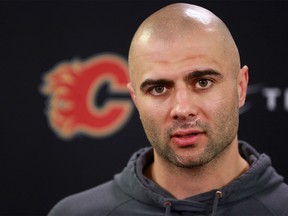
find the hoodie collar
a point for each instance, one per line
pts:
(134, 183)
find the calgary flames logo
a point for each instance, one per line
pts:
(74, 90)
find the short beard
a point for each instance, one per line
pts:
(213, 150)
(218, 141)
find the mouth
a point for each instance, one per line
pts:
(185, 138)
(184, 134)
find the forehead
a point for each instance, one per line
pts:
(174, 58)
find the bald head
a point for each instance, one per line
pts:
(172, 24)
(174, 21)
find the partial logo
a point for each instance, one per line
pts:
(273, 98)
(88, 97)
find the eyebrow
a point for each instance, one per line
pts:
(202, 73)
(160, 82)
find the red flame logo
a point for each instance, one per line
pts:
(72, 88)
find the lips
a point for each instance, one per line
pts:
(185, 138)
(186, 133)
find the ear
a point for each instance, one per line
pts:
(132, 93)
(242, 80)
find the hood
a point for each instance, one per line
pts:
(260, 176)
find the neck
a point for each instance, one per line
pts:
(183, 182)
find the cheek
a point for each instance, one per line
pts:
(150, 109)
(154, 119)
(151, 122)
(219, 106)
(150, 113)
(213, 105)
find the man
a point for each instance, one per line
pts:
(188, 86)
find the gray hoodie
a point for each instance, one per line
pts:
(258, 192)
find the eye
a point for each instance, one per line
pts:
(203, 84)
(158, 90)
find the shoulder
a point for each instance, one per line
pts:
(275, 199)
(101, 199)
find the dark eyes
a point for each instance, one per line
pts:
(205, 83)
(201, 84)
(157, 90)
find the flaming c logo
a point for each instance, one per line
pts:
(88, 97)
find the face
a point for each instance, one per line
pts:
(188, 98)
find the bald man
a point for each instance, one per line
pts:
(188, 86)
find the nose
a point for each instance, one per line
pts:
(183, 105)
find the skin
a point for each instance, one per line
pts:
(187, 85)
